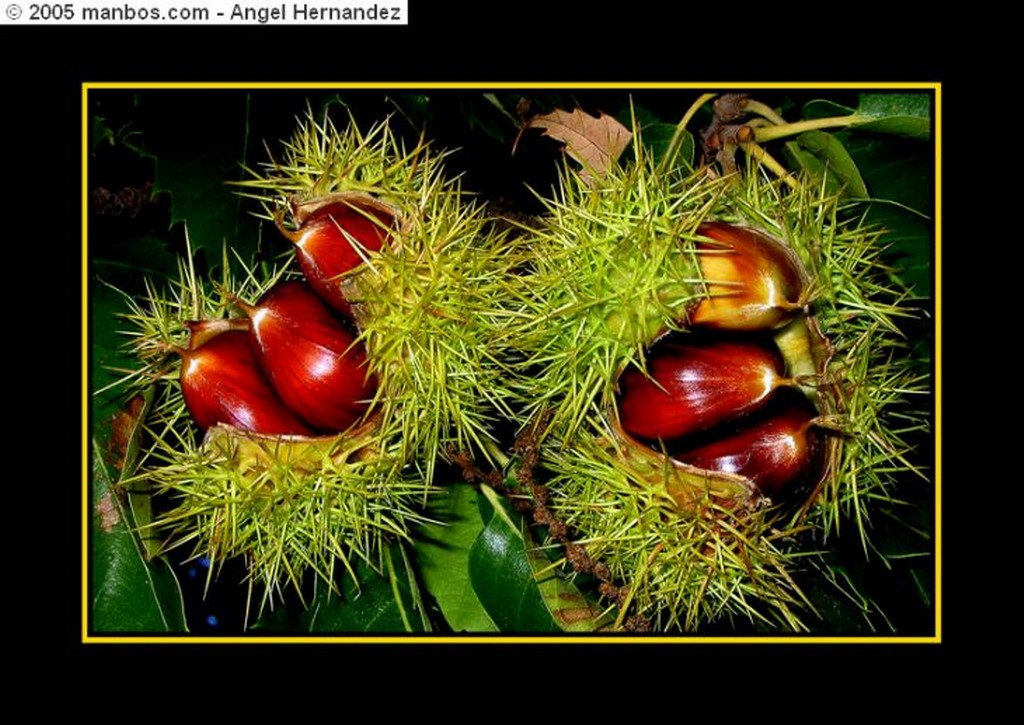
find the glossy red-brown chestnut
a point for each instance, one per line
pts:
(222, 382)
(695, 382)
(753, 282)
(333, 235)
(314, 362)
(780, 449)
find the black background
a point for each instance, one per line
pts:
(522, 42)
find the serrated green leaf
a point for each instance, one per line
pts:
(128, 594)
(371, 607)
(199, 151)
(442, 552)
(520, 589)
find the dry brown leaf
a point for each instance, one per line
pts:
(596, 142)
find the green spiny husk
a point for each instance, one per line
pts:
(321, 160)
(684, 566)
(284, 504)
(427, 304)
(425, 307)
(605, 275)
(612, 268)
(880, 389)
(427, 310)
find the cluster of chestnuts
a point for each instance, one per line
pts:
(294, 365)
(650, 342)
(720, 396)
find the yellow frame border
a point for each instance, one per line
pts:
(86, 638)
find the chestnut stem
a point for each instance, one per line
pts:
(677, 137)
(758, 152)
(770, 133)
(290, 235)
(764, 111)
(492, 451)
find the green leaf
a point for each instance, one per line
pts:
(901, 114)
(503, 579)
(198, 153)
(910, 240)
(487, 115)
(495, 101)
(898, 174)
(568, 607)
(128, 594)
(658, 137)
(100, 132)
(144, 256)
(889, 590)
(895, 170)
(442, 552)
(520, 589)
(109, 356)
(842, 607)
(835, 162)
(377, 604)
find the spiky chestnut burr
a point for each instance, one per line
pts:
(424, 306)
(284, 504)
(616, 265)
(427, 300)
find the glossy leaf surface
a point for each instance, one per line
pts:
(517, 584)
(128, 594)
(443, 551)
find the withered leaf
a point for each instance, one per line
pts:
(123, 427)
(596, 142)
